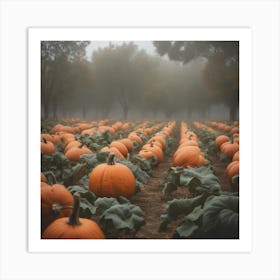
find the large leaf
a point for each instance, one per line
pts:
(78, 171)
(92, 160)
(221, 216)
(87, 200)
(178, 207)
(141, 162)
(186, 229)
(196, 214)
(139, 174)
(200, 180)
(118, 213)
(123, 216)
(104, 203)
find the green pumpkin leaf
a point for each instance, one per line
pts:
(169, 187)
(139, 174)
(195, 214)
(87, 200)
(178, 207)
(124, 216)
(221, 216)
(104, 203)
(186, 229)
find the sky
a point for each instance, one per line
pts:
(94, 45)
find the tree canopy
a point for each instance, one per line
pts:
(123, 80)
(221, 72)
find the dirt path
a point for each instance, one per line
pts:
(152, 202)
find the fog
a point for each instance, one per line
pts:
(140, 80)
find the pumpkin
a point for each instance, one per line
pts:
(47, 147)
(229, 149)
(120, 146)
(128, 143)
(234, 130)
(221, 139)
(114, 151)
(73, 227)
(146, 154)
(90, 131)
(188, 143)
(72, 145)
(55, 202)
(156, 150)
(73, 154)
(188, 156)
(235, 156)
(67, 137)
(232, 169)
(159, 139)
(112, 179)
(46, 136)
(134, 137)
(43, 177)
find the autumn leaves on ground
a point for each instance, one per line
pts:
(139, 179)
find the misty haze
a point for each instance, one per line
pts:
(182, 80)
(140, 140)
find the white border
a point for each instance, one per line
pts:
(244, 243)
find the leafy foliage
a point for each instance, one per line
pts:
(206, 216)
(118, 214)
(198, 180)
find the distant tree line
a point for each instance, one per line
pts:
(196, 75)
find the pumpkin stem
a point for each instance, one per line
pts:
(44, 140)
(74, 217)
(110, 160)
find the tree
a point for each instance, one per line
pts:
(122, 73)
(226, 72)
(55, 59)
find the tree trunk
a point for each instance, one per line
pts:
(46, 109)
(55, 110)
(84, 111)
(189, 114)
(232, 112)
(125, 112)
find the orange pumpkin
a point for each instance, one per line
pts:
(128, 143)
(43, 177)
(73, 227)
(72, 144)
(232, 169)
(235, 156)
(156, 150)
(120, 146)
(189, 156)
(146, 154)
(114, 151)
(73, 154)
(53, 197)
(47, 147)
(112, 179)
(221, 139)
(134, 137)
(229, 149)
